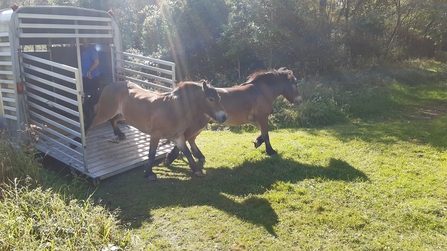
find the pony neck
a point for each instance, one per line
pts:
(271, 88)
(186, 93)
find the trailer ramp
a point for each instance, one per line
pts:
(106, 155)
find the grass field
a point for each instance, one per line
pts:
(361, 165)
(370, 184)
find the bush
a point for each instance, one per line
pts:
(317, 112)
(17, 160)
(335, 99)
(34, 219)
(370, 102)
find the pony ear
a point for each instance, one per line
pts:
(205, 85)
(290, 75)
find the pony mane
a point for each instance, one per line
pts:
(190, 85)
(261, 75)
(185, 84)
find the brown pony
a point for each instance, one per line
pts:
(162, 116)
(250, 102)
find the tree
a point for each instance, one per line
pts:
(233, 38)
(187, 31)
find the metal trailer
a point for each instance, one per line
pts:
(41, 89)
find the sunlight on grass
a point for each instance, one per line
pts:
(413, 96)
(374, 180)
(334, 188)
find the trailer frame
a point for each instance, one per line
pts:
(41, 90)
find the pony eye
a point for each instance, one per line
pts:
(211, 99)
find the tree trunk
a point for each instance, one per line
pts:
(396, 28)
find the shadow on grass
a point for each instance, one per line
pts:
(136, 197)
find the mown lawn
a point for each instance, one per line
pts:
(365, 185)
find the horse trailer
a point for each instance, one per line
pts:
(41, 89)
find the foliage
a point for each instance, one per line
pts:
(191, 29)
(20, 161)
(36, 219)
(231, 39)
(366, 94)
(17, 160)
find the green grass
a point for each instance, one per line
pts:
(371, 176)
(16, 160)
(33, 219)
(329, 188)
(376, 181)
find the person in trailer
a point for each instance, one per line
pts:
(90, 76)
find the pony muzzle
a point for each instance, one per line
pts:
(221, 117)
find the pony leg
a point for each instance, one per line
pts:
(191, 134)
(181, 144)
(268, 146)
(171, 156)
(265, 136)
(174, 153)
(149, 174)
(195, 150)
(258, 141)
(116, 129)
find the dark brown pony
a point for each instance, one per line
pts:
(250, 102)
(162, 116)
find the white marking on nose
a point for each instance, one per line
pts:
(221, 116)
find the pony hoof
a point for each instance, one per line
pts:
(152, 177)
(272, 153)
(256, 144)
(122, 137)
(199, 174)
